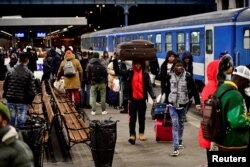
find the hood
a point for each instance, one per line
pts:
(94, 60)
(212, 70)
(9, 132)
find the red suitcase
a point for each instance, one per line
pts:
(163, 128)
(163, 132)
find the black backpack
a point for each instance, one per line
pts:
(212, 124)
(98, 72)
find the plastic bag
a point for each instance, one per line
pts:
(59, 85)
(161, 98)
(116, 85)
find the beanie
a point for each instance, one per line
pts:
(4, 111)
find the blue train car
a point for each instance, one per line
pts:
(204, 35)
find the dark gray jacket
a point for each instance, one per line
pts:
(14, 152)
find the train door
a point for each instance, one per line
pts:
(209, 47)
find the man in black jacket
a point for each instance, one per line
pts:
(19, 90)
(138, 87)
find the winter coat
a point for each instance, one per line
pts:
(3, 69)
(186, 90)
(232, 102)
(14, 152)
(19, 85)
(209, 89)
(146, 85)
(111, 74)
(73, 82)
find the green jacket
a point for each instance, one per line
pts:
(14, 152)
(233, 104)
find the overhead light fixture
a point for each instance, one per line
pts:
(70, 26)
(5, 33)
(12, 17)
(53, 32)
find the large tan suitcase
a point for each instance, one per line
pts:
(136, 50)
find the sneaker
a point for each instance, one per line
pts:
(92, 112)
(131, 139)
(181, 146)
(142, 137)
(175, 153)
(104, 112)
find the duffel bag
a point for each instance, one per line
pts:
(158, 110)
(136, 50)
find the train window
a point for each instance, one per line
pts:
(150, 37)
(128, 38)
(168, 44)
(180, 42)
(195, 43)
(134, 36)
(141, 36)
(246, 39)
(158, 42)
(209, 41)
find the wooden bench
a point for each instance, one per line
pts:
(74, 128)
(50, 121)
(36, 108)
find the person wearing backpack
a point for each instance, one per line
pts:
(13, 151)
(97, 75)
(71, 69)
(180, 87)
(235, 118)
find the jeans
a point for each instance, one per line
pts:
(18, 113)
(93, 94)
(177, 118)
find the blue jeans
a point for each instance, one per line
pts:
(18, 113)
(177, 118)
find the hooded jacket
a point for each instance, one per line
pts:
(235, 115)
(209, 89)
(73, 82)
(14, 152)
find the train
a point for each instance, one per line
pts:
(204, 35)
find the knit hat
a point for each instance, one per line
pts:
(4, 111)
(242, 71)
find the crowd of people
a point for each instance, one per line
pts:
(92, 79)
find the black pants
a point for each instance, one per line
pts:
(137, 106)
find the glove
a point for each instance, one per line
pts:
(198, 108)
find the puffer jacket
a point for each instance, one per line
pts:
(73, 82)
(233, 106)
(14, 152)
(19, 85)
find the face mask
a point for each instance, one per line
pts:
(247, 91)
(228, 77)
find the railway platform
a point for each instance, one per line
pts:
(144, 153)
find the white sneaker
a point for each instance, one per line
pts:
(92, 112)
(104, 112)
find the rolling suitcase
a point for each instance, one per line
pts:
(163, 128)
(136, 50)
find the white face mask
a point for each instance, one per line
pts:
(90, 51)
(228, 77)
(247, 91)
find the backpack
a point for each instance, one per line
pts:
(213, 126)
(98, 72)
(69, 69)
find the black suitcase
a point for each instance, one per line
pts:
(136, 50)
